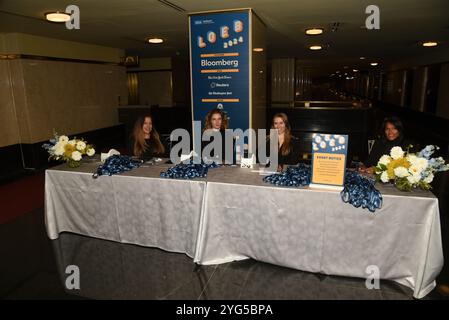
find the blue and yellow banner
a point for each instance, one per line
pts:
(220, 71)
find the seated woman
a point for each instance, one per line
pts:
(217, 120)
(392, 135)
(145, 143)
(288, 146)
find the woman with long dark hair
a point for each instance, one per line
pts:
(288, 145)
(145, 142)
(391, 135)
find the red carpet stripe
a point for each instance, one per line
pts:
(21, 196)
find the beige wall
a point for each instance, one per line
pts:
(20, 43)
(9, 133)
(71, 97)
(39, 96)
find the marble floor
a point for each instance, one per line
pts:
(34, 267)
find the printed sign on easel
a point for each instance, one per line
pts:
(329, 153)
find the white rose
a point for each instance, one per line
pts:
(90, 152)
(429, 178)
(76, 155)
(385, 160)
(396, 153)
(401, 172)
(332, 143)
(384, 177)
(415, 170)
(59, 148)
(81, 145)
(421, 163)
(323, 145)
(341, 140)
(64, 139)
(414, 178)
(327, 137)
(72, 142)
(412, 159)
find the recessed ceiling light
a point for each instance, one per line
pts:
(316, 47)
(430, 44)
(362, 58)
(155, 40)
(314, 31)
(57, 16)
(258, 49)
(337, 71)
(355, 70)
(374, 64)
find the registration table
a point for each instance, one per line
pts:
(234, 215)
(133, 207)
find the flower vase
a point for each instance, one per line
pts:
(73, 163)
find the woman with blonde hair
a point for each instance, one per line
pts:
(145, 142)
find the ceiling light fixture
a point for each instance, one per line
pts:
(155, 40)
(316, 47)
(355, 70)
(57, 16)
(374, 64)
(430, 44)
(314, 31)
(258, 49)
(362, 58)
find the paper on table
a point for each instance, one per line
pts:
(264, 171)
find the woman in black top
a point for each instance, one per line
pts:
(145, 143)
(392, 135)
(288, 147)
(217, 120)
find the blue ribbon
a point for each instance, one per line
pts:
(358, 190)
(297, 176)
(188, 171)
(116, 164)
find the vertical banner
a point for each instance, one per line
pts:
(329, 153)
(220, 65)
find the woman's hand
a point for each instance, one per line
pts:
(369, 170)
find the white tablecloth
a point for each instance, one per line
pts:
(134, 207)
(235, 215)
(315, 231)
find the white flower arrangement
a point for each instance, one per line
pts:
(71, 151)
(409, 170)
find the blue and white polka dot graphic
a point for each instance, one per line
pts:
(329, 143)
